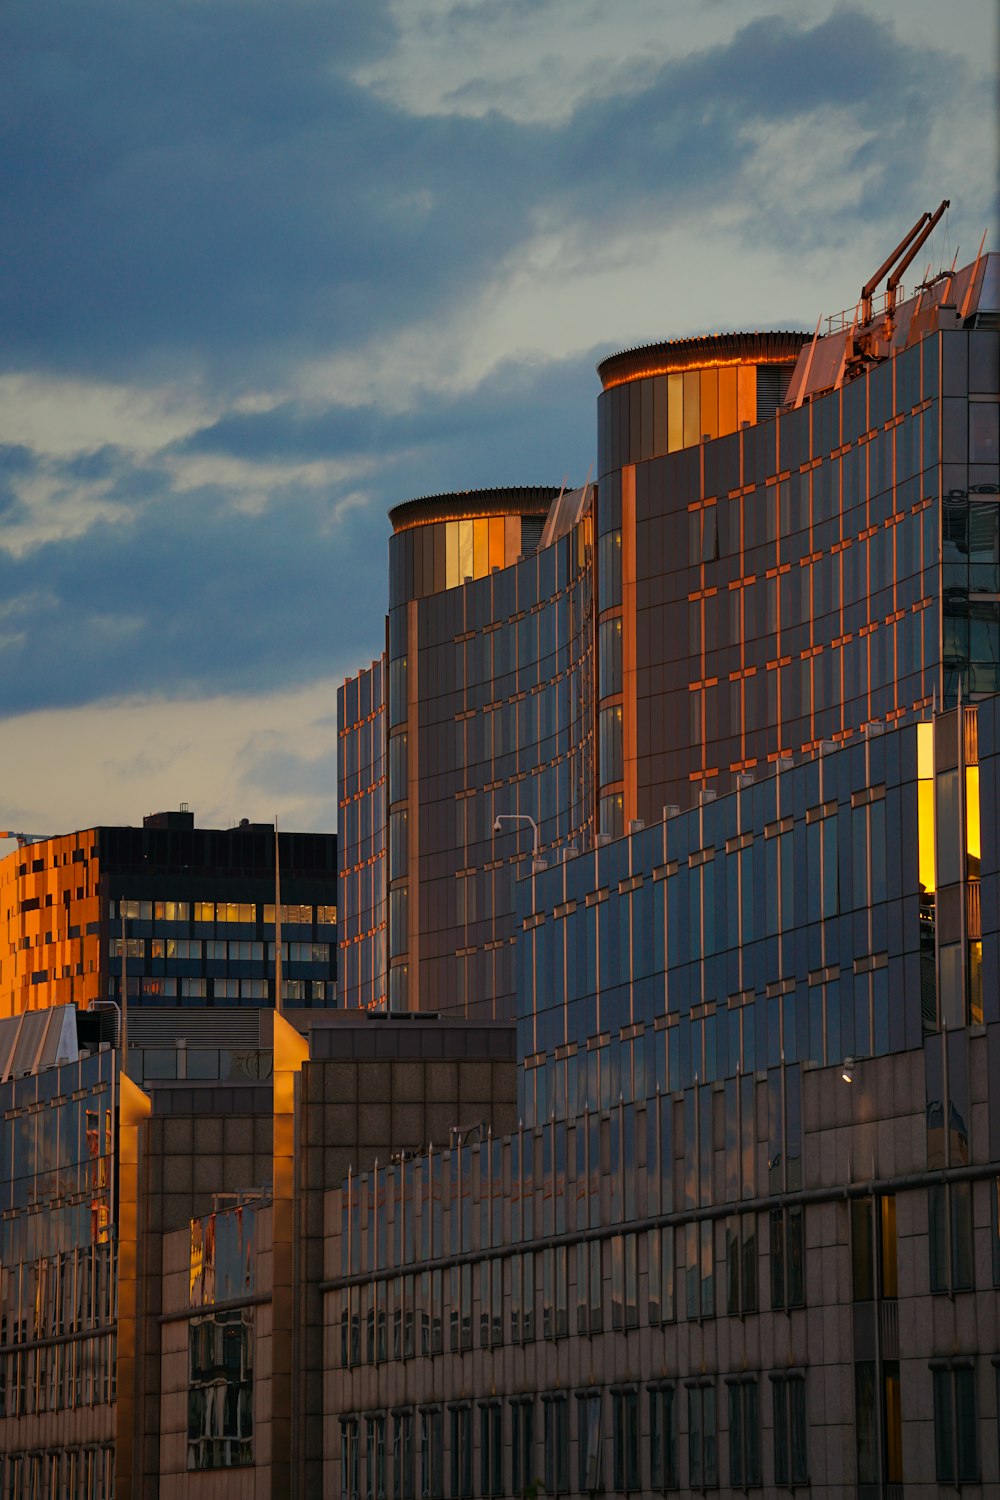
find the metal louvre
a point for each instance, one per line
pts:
(200, 1028)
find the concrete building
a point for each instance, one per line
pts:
(163, 1253)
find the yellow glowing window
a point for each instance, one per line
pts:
(925, 806)
(925, 751)
(675, 412)
(728, 421)
(972, 830)
(692, 408)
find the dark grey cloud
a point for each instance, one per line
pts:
(204, 186)
(185, 595)
(202, 193)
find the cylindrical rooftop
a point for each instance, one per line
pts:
(469, 505)
(673, 355)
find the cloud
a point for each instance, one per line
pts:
(252, 553)
(269, 270)
(116, 760)
(544, 61)
(210, 194)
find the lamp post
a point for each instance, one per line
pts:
(536, 863)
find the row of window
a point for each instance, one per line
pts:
(218, 950)
(71, 1474)
(58, 1377)
(684, 1279)
(593, 1172)
(626, 1439)
(220, 911)
(690, 1271)
(68, 1292)
(721, 1439)
(225, 991)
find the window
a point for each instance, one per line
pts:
(956, 1446)
(220, 1391)
(949, 1214)
(873, 1247)
(696, 1243)
(787, 1258)
(662, 1438)
(431, 1453)
(522, 1297)
(460, 1308)
(788, 1391)
(703, 1463)
(522, 1445)
(555, 1308)
(556, 1445)
(624, 1278)
(741, 1263)
(588, 1287)
(878, 1423)
(590, 1476)
(402, 1455)
(437, 1313)
(491, 1448)
(490, 1303)
(350, 1459)
(375, 1457)
(660, 1246)
(744, 1432)
(461, 1451)
(172, 911)
(625, 1440)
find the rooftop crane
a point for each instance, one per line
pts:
(911, 242)
(871, 335)
(23, 838)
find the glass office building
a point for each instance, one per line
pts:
(363, 977)
(772, 577)
(760, 1095)
(787, 543)
(58, 1259)
(490, 714)
(747, 1233)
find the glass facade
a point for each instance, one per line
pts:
(58, 1275)
(774, 911)
(681, 993)
(490, 715)
(809, 573)
(221, 1340)
(361, 877)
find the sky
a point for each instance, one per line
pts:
(269, 267)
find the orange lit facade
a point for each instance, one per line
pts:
(50, 925)
(789, 541)
(196, 907)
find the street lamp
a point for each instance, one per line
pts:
(536, 863)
